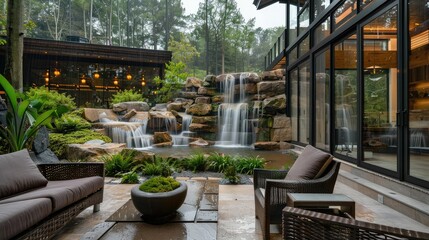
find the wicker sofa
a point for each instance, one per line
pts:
(304, 224)
(37, 201)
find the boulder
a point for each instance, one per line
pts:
(163, 145)
(189, 95)
(41, 140)
(46, 156)
(129, 114)
(161, 137)
(127, 106)
(268, 146)
(160, 107)
(94, 114)
(217, 99)
(176, 106)
(92, 152)
(281, 121)
(199, 109)
(275, 105)
(95, 141)
(211, 120)
(207, 91)
(271, 88)
(281, 135)
(199, 143)
(202, 100)
(210, 79)
(271, 75)
(198, 127)
(140, 117)
(250, 88)
(193, 82)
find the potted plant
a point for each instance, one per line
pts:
(158, 198)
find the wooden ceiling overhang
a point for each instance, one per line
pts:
(94, 52)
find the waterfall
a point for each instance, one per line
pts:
(235, 128)
(131, 133)
(182, 139)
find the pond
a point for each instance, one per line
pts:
(274, 159)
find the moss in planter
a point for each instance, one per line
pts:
(159, 184)
(58, 141)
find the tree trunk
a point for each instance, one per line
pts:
(223, 37)
(15, 43)
(110, 22)
(207, 39)
(90, 20)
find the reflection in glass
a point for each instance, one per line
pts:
(293, 24)
(418, 88)
(346, 96)
(294, 103)
(365, 3)
(345, 12)
(319, 6)
(322, 100)
(304, 46)
(379, 140)
(293, 55)
(322, 31)
(304, 20)
(304, 102)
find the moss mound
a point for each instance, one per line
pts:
(59, 141)
(159, 184)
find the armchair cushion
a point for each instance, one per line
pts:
(310, 164)
(18, 173)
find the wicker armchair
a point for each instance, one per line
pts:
(309, 225)
(271, 189)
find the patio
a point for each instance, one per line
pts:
(235, 215)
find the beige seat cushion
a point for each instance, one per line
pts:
(310, 164)
(62, 193)
(18, 216)
(18, 173)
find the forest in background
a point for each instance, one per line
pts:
(215, 40)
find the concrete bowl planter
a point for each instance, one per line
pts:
(158, 208)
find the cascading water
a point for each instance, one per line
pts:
(235, 127)
(182, 139)
(131, 133)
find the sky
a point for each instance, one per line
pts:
(271, 16)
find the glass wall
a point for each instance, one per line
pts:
(319, 6)
(345, 80)
(294, 103)
(418, 88)
(304, 102)
(322, 86)
(345, 12)
(379, 139)
(322, 31)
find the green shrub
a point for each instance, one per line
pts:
(246, 165)
(59, 141)
(50, 99)
(127, 96)
(70, 122)
(159, 167)
(219, 162)
(231, 174)
(117, 164)
(159, 184)
(197, 162)
(130, 178)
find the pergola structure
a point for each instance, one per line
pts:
(89, 72)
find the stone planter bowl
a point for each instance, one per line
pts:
(158, 208)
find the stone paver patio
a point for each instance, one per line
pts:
(235, 216)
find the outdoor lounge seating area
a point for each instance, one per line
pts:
(37, 201)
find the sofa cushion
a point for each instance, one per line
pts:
(18, 173)
(310, 164)
(18, 216)
(62, 193)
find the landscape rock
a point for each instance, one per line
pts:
(199, 109)
(199, 143)
(140, 117)
(275, 105)
(268, 146)
(92, 152)
(281, 121)
(129, 114)
(127, 106)
(94, 114)
(176, 106)
(161, 137)
(46, 156)
(41, 140)
(205, 100)
(281, 135)
(205, 120)
(193, 82)
(197, 127)
(271, 88)
(163, 145)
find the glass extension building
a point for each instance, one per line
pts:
(358, 81)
